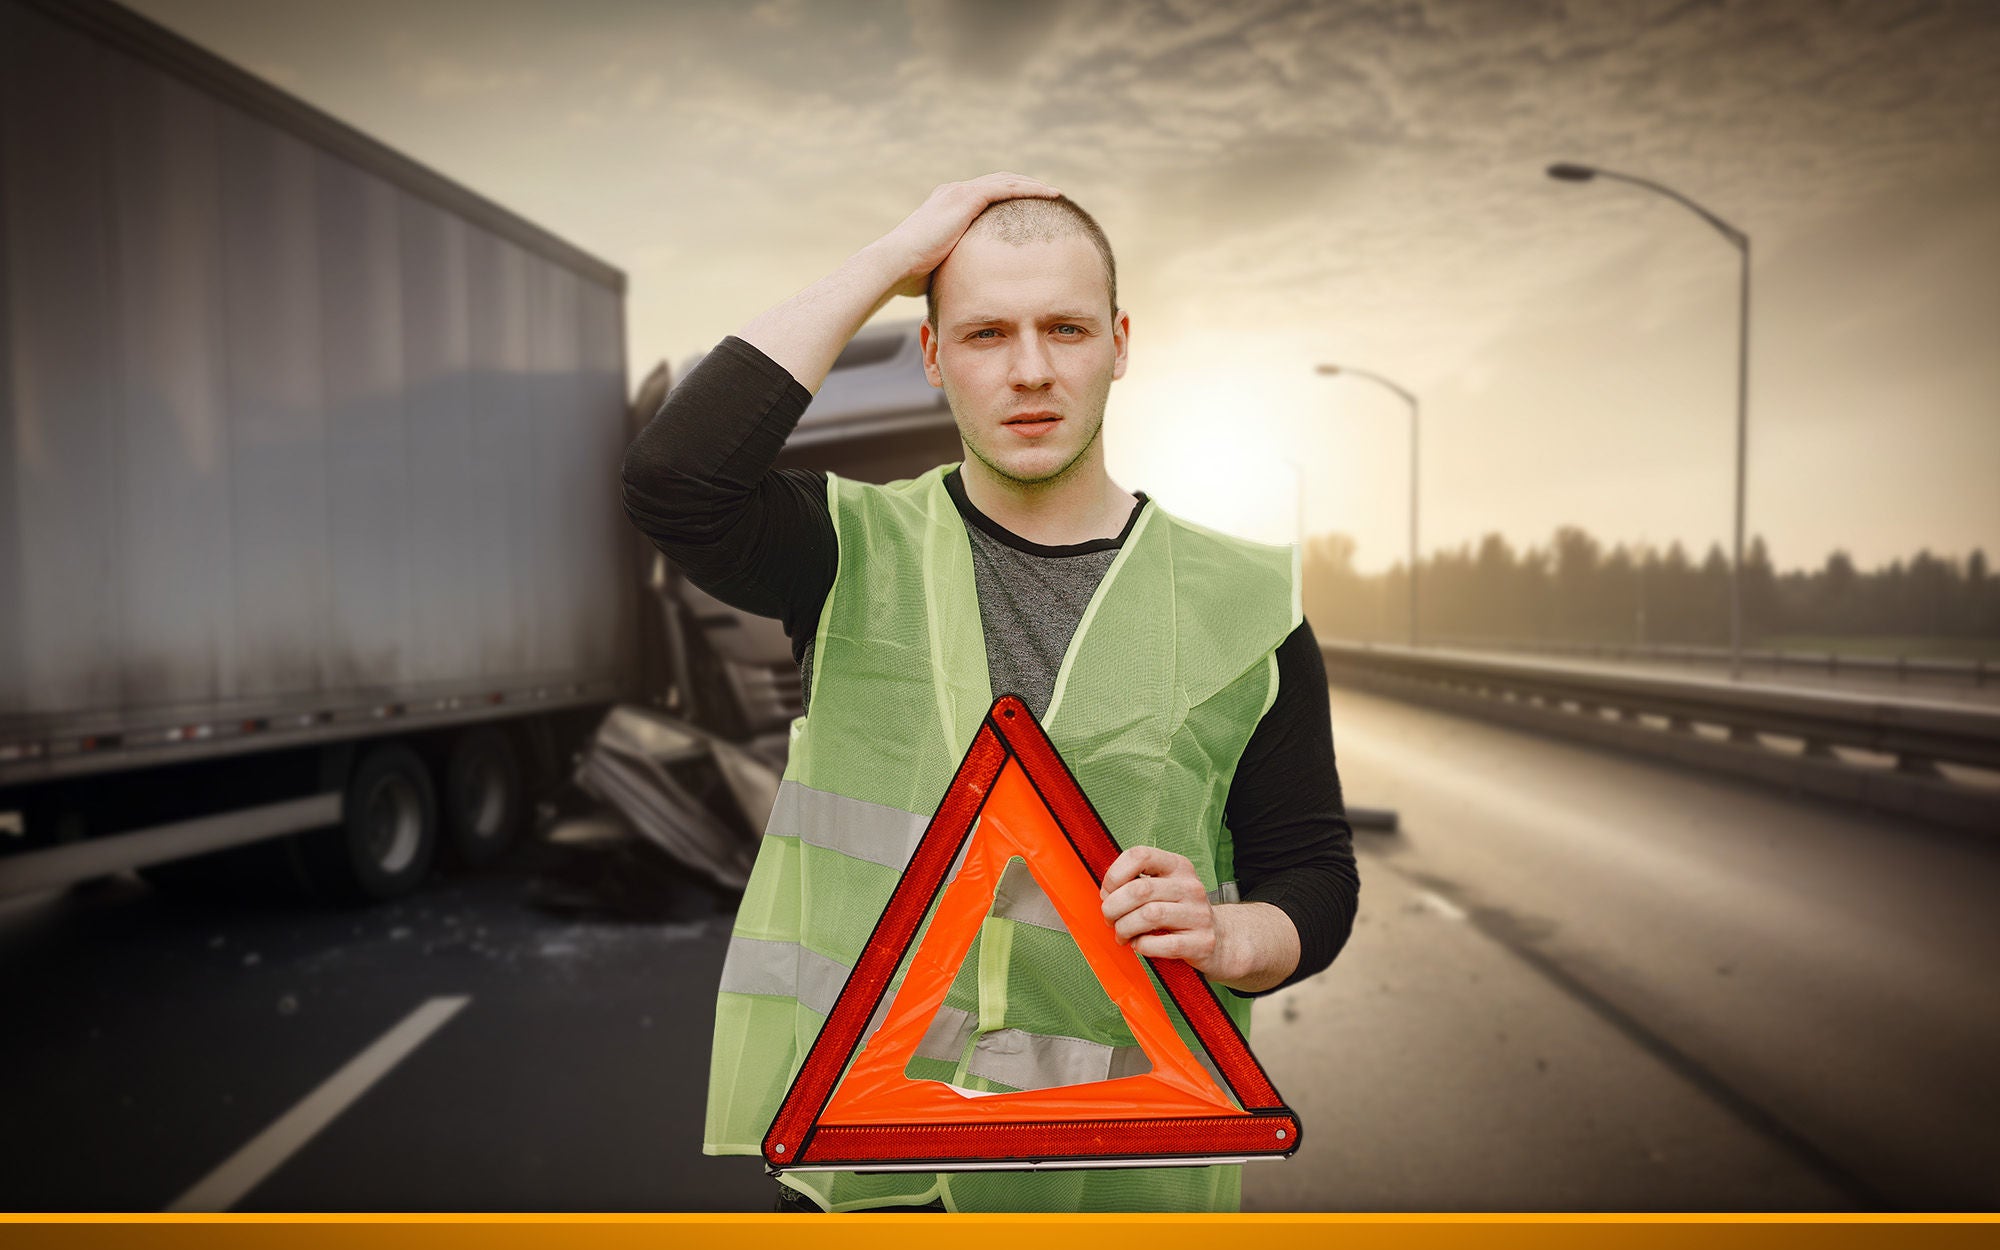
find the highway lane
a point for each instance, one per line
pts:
(152, 1040)
(1578, 981)
(1772, 1002)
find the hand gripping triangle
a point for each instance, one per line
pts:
(1027, 804)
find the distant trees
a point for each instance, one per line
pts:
(1574, 591)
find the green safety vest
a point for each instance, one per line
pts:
(1169, 672)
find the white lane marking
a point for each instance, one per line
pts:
(246, 1169)
(1442, 905)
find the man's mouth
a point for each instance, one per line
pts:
(1029, 422)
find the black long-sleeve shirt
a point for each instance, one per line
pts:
(699, 483)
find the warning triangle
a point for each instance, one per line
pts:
(1026, 804)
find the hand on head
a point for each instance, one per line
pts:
(927, 235)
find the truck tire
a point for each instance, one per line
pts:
(483, 804)
(387, 836)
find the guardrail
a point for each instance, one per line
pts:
(1975, 672)
(1937, 761)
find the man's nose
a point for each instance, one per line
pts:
(1029, 364)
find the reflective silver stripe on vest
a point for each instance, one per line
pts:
(858, 829)
(1037, 1061)
(783, 970)
(1012, 1057)
(1129, 1061)
(1021, 898)
(788, 970)
(950, 1030)
(878, 834)
(1026, 1060)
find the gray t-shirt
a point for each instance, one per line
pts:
(1031, 599)
(1029, 606)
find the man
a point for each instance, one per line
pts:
(1169, 665)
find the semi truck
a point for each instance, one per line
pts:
(311, 545)
(309, 511)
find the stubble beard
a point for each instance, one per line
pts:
(1040, 482)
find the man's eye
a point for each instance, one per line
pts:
(980, 334)
(1073, 331)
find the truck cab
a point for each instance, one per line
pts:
(695, 768)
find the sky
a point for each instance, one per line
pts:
(1289, 184)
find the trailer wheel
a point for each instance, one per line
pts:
(388, 831)
(482, 792)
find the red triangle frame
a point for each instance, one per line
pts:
(1175, 1114)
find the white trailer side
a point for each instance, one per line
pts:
(300, 442)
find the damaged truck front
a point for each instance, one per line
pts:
(696, 769)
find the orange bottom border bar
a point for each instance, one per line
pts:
(999, 1232)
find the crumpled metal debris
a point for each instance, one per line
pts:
(701, 799)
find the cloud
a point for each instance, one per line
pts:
(436, 75)
(778, 14)
(1364, 174)
(985, 43)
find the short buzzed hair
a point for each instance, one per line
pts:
(1033, 219)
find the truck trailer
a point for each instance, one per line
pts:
(309, 509)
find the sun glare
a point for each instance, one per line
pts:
(1210, 446)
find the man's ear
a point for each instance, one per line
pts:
(1121, 338)
(928, 338)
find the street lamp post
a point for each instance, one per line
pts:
(1567, 172)
(1411, 400)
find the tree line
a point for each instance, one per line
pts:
(1573, 590)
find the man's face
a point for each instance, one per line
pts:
(1026, 348)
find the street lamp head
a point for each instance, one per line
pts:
(1566, 172)
(1327, 371)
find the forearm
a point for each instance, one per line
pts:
(1256, 946)
(1293, 847)
(698, 482)
(807, 332)
(695, 466)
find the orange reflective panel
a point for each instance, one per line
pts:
(1014, 822)
(1014, 797)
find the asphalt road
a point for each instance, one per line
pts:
(1586, 981)
(1578, 982)
(154, 1040)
